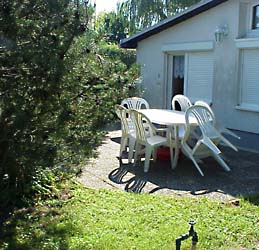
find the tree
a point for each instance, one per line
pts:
(110, 29)
(56, 90)
(144, 13)
(35, 38)
(112, 26)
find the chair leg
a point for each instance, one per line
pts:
(137, 151)
(221, 162)
(186, 150)
(123, 144)
(172, 157)
(196, 165)
(131, 149)
(154, 154)
(175, 158)
(148, 153)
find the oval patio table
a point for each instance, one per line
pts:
(173, 120)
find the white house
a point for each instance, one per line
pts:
(208, 52)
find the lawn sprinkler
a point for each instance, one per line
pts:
(183, 237)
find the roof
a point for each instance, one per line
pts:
(194, 10)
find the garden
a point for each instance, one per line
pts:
(62, 72)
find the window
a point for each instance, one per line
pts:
(255, 21)
(250, 79)
(199, 76)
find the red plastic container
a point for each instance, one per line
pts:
(163, 154)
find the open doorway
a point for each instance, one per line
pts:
(178, 76)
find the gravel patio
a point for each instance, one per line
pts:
(106, 171)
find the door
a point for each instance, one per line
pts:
(190, 74)
(175, 77)
(178, 76)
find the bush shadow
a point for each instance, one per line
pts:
(47, 235)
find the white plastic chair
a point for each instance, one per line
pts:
(221, 129)
(128, 136)
(183, 101)
(135, 103)
(206, 145)
(150, 140)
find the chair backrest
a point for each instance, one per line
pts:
(122, 113)
(204, 117)
(135, 103)
(141, 122)
(183, 101)
(205, 104)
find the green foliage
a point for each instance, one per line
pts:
(35, 36)
(113, 26)
(132, 16)
(144, 13)
(112, 51)
(90, 219)
(56, 91)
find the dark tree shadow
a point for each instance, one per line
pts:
(49, 231)
(242, 180)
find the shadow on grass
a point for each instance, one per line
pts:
(49, 234)
(254, 199)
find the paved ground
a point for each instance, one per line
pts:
(108, 172)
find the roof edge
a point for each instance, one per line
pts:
(192, 11)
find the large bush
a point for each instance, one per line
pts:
(56, 91)
(127, 56)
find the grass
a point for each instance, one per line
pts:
(91, 219)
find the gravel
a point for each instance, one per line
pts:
(107, 171)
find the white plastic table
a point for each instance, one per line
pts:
(172, 119)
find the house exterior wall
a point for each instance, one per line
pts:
(226, 82)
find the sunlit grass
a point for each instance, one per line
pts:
(118, 220)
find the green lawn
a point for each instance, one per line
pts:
(90, 219)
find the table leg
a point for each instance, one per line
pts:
(176, 152)
(169, 138)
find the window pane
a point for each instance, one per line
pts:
(200, 76)
(256, 17)
(250, 77)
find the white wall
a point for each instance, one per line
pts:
(226, 82)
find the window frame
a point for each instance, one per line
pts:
(250, 32)
(242, 45)
(254, 22)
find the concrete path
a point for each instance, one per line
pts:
(107, 171)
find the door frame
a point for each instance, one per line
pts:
(169, 69)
